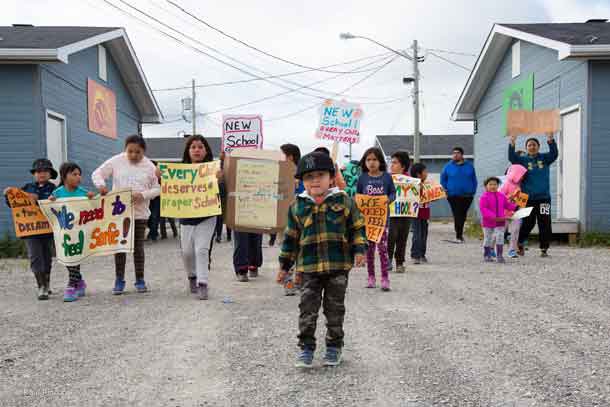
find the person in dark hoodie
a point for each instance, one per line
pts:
(538, 187)
(459, 180)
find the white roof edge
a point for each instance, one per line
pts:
(29, 54)
(67, 50)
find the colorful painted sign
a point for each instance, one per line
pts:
(340, 122)
(101, 102)
(407, 196)
(27, 216)
(242, 132)
(431, 192)
(374, 208)
(519, 96)
(520, 199)
(351, 173)
(84, 228)
(190, 190)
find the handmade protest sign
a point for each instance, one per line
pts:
(351, 173)
(27, 216)
(189, 190)
(406, 203)
(536, 122)
(340, 122)
(518, 96)
(522, 213)
(84, 228)
(520, 199)
(242, 132)
(375, 211)
(431, 192)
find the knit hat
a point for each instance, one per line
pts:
(315, 162)
(42, 164)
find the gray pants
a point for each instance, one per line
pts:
(491, 235)
(40, 254)
(196, 243)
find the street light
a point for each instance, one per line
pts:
(415, 80)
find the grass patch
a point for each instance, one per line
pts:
(12, 248)
(473, 230)
(594, 239)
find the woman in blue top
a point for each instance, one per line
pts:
(537, 185)
(69, 187)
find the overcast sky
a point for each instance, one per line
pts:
(307, 33)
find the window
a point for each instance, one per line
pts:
(516, 59)
(101, 60)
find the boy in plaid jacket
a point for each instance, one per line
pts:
(325, 235)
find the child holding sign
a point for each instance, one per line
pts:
(399, 226)
(40, 247)
(131, 170)
(419, 241)
(376, 181)
(511, 187)
(493, 206)
(324, 236)
(70, 174)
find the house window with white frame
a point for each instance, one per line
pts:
(516, 56)
(102, 63)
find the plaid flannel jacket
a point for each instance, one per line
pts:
(325, 237)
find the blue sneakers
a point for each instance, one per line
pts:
(141, 286)
(305, 359)
(512, 254)
(332, 356)
(119, 287)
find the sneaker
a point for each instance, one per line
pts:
(521, 250)
(70, 294)
(253, 272)
(371, 283)
(400, 269)
(43, 294)
(80, 288)
(141, 286)
(332, 357)
(119, 287)
(218, 240)
(202, 290)
(512, 254)
(305, 359)
(242, 277)
(488, 259)
(543, 253)
(492, 253)
(385, 284)
(193, 285)
(416, 261)
(460, 240)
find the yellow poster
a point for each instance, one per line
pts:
(374, 208)
(256, 193)
(189, 190)
(431, 192)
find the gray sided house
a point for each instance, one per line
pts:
(570, 66)
(170, 149)
(435, 153)
(67, 93)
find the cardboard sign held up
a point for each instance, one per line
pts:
(431, 192)
(520, 199)
(536, 122)
(374, 208)
(27, 216)
(260, 189)
(407, 196)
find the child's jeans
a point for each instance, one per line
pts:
(419, 239)
(382, 248)
(513, 228)
(493, 234)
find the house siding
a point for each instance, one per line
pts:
(557, 84)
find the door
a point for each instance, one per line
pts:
(56, 139)
(569, 164)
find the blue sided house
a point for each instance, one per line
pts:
(539, 67)
(67, 93)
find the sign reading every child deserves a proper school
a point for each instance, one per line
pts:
(189, 190)
(27, 216)
(374, 208)
(406, 203)
(84, 228)
(340, 121)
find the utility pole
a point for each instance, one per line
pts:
(193, 110)
(416, 134)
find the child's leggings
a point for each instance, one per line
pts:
(120, 259)
(382, 248)
(491, 234)
(74, 275)
(513, 228)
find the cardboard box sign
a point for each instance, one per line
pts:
(260, 189)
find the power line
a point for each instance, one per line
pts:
(444, 51)
(450, 61)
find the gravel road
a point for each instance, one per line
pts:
(454, 332)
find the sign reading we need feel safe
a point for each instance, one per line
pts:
(340, 122)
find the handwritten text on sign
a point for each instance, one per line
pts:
(340, 121)
(256, 193)
(431, 192)
(375, 211)
(85, 227)
(242, 132)
(27, 216)
(407, 196)
(189, 190)
(351, 173)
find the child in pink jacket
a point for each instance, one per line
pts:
(493, 206)
(511, 187)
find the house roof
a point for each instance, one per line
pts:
(432, 146)
(28, 44)
(172, 148)
(570, 40)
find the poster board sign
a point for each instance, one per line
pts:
(260, 189)
(84, 228)
(374, 208)
(518, 96)
(242, 132)
(431, 192)
(522, 213)
(351, 173)
(520, 199)
(536, 122)
(406, 203)
(101, 114)
(27, 216)
(340, 122)
(190, 190)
